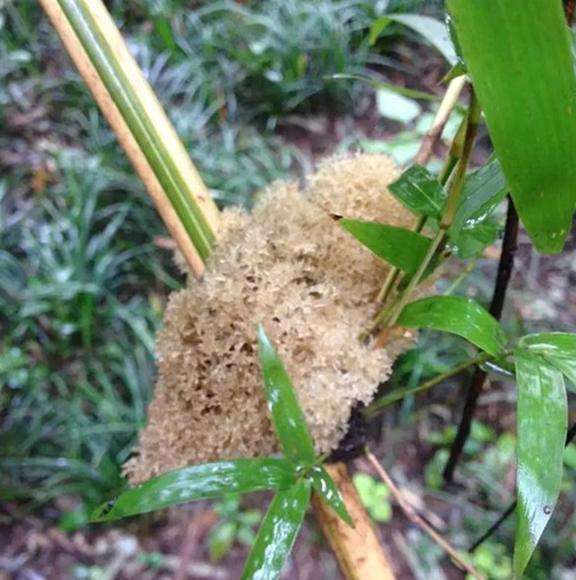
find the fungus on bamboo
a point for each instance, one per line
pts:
(290, 266)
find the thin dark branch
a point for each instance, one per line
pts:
(569, 6)
(505, 267)
(510, 509)
(494, 527)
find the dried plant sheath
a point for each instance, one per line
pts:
(144, 131)
(290, 266)
(358, 551)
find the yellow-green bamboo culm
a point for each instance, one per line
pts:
(129, 104)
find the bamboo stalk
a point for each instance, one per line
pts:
(358, 551)
(135, 148)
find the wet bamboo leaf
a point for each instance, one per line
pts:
(199, 482)
(324, 485)
(287, 416)
(458, 315)
(420, 192)
(401, 248)
(519, 57)
(277, 533)
(470, 243)
(483, 191)
(541, 419)
(558, 348)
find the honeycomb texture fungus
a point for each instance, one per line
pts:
(290, 266)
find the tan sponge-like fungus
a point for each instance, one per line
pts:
(291, 267)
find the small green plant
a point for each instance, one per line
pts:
(374, 496)
(235, 524)
(492, 560)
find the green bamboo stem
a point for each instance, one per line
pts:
(449, 211)
(423, 156)
(146, 134)
(143, 129)
(379, 404)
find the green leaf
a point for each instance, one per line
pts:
(377, 28)
(287, 416)
(277, 533)
(519, 57)
(324, 485)
(401, 248)
(382, 511)
(483, 191)
(558, 348)
(541, 420)
(365, 486)
(458, 315)
(470, 243)
(420, 192)
(434, 31)
(204, 481)
(397, 107)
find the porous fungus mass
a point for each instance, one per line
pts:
(290, 266)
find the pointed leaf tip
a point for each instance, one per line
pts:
(400, 247)
(287, 416)
(324, 486)
(542, 421)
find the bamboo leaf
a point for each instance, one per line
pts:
(420, 192)
(287, 416)
(483, 191)
(541, 419)
(519, 57)
(457, 315)
(558, 348)
(401, 248)
(377, 28)
(470, 243)
(277, 533)
(434, 31)
(324, 485)
(199, 482)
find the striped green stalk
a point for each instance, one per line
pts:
(140, 124)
